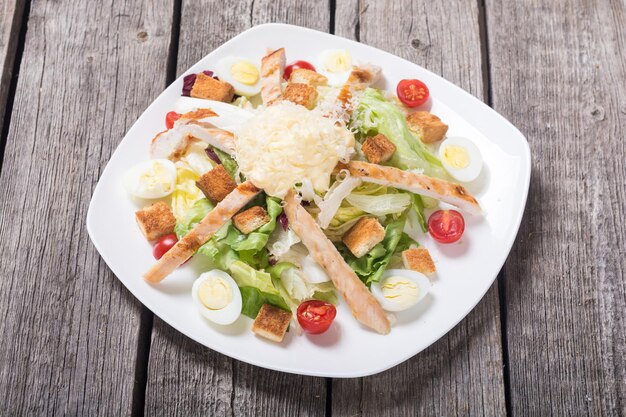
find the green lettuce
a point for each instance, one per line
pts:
(417, 204)
(227, 161)
(229, 244)
(297, 288)
(257, 288)
(371, 266)
(374, 115)
(380, 205)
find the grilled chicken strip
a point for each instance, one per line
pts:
(360, 78)
(364, 306)
(202, 232)
(173, 144)
(272, 68)
(442, 190)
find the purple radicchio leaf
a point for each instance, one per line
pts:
(284, 221)
(212, 155)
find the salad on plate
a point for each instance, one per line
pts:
(302, 185)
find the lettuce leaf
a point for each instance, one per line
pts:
(227, 161)
(374, 114)
(297, 289)
(371, 267)
(229, 244)
(380, 205)
(417, 204)
(257, 288)
(185, 194)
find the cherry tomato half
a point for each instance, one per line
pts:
(170, 118)
(316, 316)
(164, 244)
(412, 93)
(296, 65)
(446, 226)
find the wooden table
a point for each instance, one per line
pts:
(549, 338)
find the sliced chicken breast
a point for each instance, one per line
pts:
(364, 306)
(173, 143)
(272, 69)
(442, 190)
(360, 78)
(199, 235)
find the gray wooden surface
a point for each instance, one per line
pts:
(548, 339)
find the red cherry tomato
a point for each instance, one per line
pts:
(170, 118)
(412, 93)
(164, 244)
(446, 226)
(316, 316)
(296, 65)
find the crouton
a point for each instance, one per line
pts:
(250, 220)
(156, 220)
(427, 125)
(301, 94)
(378, 149)
(308, 77)
(271, 323)
(216, 184)
(363, 236)
(418, 259)
(212, 89)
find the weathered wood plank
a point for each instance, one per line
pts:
(462, 373)
(10, 25)
(560, 79)
(177, 365)
(69, 329)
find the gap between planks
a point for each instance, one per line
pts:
(146, 322)
(22, 13)
(487, 91)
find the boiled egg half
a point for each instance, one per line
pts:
(461, 158)
(336, 65)
(217, 297)
(400, 289)
(242, 74)
(155, 178)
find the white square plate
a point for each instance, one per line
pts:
(466, 269)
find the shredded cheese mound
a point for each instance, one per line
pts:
(287, 144)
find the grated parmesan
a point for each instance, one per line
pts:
(286, 144)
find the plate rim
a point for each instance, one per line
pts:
(526, 168)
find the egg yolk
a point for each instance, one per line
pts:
(400, 290)
(215, 293)
(245, 73)
(456, 156)
(338, 61)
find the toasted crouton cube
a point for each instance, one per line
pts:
(216, 184)
(156, 220)
(271, 323)
(212, 89)
(430, 128)
(301, 94)
(308, 77)
(250, 220)
(363, 236)
(378, 149)
(418, 259)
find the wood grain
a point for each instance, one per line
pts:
(461, 374)
(10, 24)
(560, 79)
(177, 365)
(69, 329)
